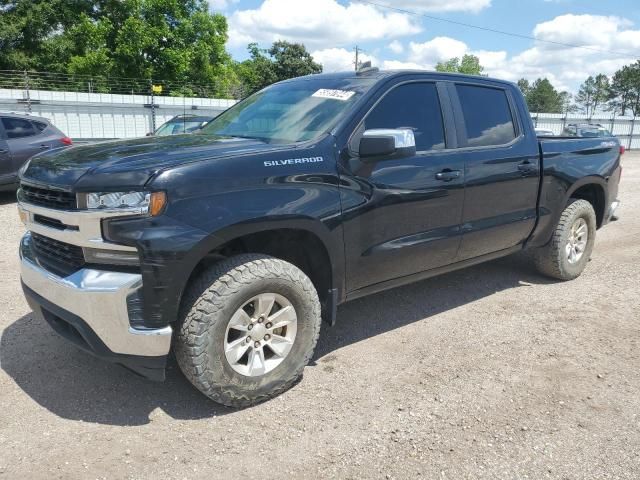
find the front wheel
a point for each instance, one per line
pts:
(249, 325)
(569, 250)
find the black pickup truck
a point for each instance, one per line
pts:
(229, 245)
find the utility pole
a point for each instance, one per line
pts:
(357, 51)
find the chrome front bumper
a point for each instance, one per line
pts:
(99, 299)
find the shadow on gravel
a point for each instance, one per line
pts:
(7, 197)
(386, 311)
(76, 386)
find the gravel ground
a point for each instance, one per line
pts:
(490, 372)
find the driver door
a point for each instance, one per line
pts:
(403, 215)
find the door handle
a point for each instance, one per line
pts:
(44, 147)
(3, 151)
(448, 175)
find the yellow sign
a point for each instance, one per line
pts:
(156, 88)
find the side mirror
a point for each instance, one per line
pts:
(387, 143)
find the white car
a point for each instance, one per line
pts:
(544, 132)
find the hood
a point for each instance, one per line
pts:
(131, 162)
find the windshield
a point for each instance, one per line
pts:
(174, 128)
(292, 111)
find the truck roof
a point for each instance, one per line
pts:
(380, 74)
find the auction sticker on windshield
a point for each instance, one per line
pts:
(335, 94)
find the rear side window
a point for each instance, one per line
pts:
(487, 115)
(17, 127)
(40, 126)
(415, 106)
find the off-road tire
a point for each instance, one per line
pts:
(551, 260)
(210, 301)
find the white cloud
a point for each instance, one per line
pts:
(594, 31)
(436, 50)
(565, 67)
(399, 65)
(218, 5)
(317, 23)
(340, 59)
(473, 6)
(396, 47)
(330, 29)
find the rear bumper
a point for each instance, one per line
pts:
(90, 309)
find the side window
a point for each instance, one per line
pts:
(17, 128)
(40, 126)
(487, 116)
(415, 106)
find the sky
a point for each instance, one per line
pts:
(330, 29)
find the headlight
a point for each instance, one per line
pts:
(146, 202)
(118, 200)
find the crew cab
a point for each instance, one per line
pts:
(231, 244)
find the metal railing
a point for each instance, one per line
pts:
(90, 107)
(27, 81)
(626, 128)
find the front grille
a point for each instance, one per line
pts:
(50, 198)
(57, 257)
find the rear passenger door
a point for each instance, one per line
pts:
(501, 169)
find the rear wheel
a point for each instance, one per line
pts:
(249, 326)
(569, 250)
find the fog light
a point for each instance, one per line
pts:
(113, 257)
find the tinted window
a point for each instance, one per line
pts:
(415, 106)
(487, 116)
(17, 128)
(40, 126)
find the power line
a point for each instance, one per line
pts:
(492, 30)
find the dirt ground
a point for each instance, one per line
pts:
(490, 372)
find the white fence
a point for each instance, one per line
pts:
(627, 129)
(103, 115)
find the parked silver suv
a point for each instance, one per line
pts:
(21, 137)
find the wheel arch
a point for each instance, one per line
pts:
(594, 190)
(307, 243)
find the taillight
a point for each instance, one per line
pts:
(66, 141)
(621, 149)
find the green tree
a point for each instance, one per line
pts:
(175, 40)
(524, 86)
(542, 97)
(469, 64)
(566, 100)
(593, 93)
(624, 93)
(168, 39)
(281, 61)
(31, 32)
